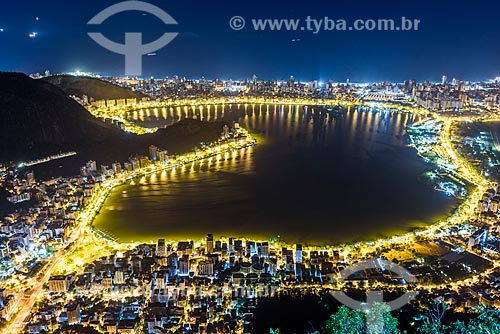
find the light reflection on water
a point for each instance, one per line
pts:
(316, 176)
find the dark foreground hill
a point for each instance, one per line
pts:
(39, 119)
(92, 87)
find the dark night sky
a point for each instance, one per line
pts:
(457, 38)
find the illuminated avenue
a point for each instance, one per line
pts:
(193, 274)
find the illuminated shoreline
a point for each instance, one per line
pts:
(460, 214)
(97, 200)
(83, 238)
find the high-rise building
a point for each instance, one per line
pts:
(136, 164)
(495, 204)
(160, 280)
(298, 253)
(73, 312)
(160, 249)
(444, 79)
(478, 238)
(153, 153)
(105, 170)
(144, 162)
(119, 277)
(30, 177)
(136, 265)
(58, 284)
(264, 249)
(210, 243)
(251, 248)
(461, 86)
(225, 132)
(2, 297)
(162, 156)
(92, 166)
(172, 260)
(117, 168)
(205, 268)
(287, 256)
(238, 245)
(184, 265)
(127, 166)
(4, 251)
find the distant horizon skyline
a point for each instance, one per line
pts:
(259, 78)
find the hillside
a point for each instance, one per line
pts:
(38, 119)
(92, 87)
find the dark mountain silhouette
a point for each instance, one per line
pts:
(92, 87)
(38, 118)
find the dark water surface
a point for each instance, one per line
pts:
(315, 176)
